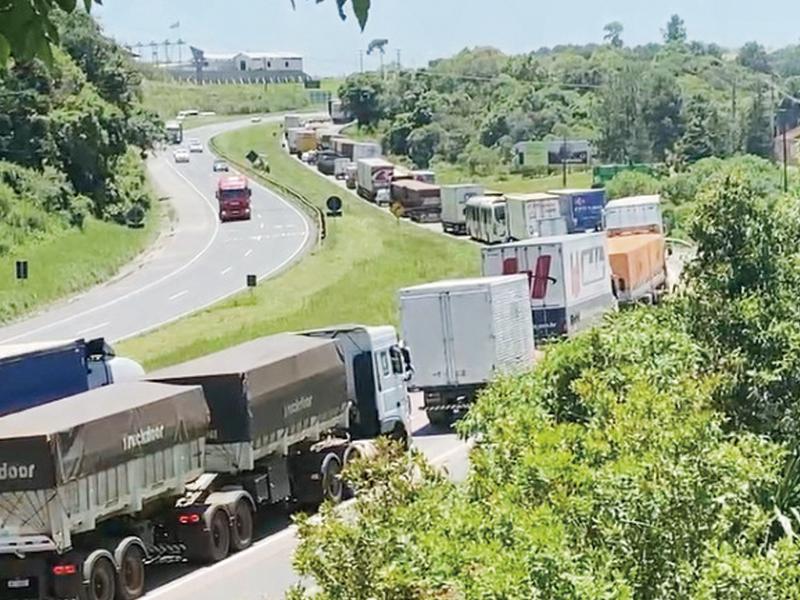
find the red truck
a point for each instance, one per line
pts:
(233, 196)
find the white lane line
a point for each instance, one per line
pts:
(261, 226)
(225, 270)
(95, 328)
(249, 555)
(143, 288)
(178, 295)
(248, 253)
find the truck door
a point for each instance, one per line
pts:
(367, 422)
(391, 390)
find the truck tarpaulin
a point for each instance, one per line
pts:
(272, 384)
(54, 444)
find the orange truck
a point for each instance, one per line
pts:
(638, 266)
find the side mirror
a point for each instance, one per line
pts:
(249, 192)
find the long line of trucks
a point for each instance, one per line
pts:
(98, 485)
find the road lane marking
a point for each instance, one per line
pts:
(141, 289)
(95, 328)
(261, 226)
(225, 270)
(178, 295)
(248, 253)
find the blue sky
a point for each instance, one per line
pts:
(426, 29)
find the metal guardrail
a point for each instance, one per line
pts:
(315, 210)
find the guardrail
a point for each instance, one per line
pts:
(310, 207)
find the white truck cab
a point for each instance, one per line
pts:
(378, 367)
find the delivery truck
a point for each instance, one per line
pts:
(534, 215)
(583, 209)
(421, 201)
(41, 372)
(344, 147)
(462, 334)
(569, 275)
(373, 174)
(98, 485)
(454, 201)
(485, 219)
(634, 214)
(301, 140)
(292, 121)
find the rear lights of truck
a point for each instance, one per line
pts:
(60, 570)
(189, 519)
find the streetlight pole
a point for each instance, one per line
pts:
(785, 160)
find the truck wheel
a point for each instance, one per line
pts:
(214, 544)
(441, 419)
(242, 529)
(331, 471)
(130, 581)
(102, 581)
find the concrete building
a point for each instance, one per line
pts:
(242, 67)
(254, 61)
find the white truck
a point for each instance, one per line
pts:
(373, 174)
(570, 279)
(96, 486)
(454, 200)
(534, 215)
(292, 121)
(462, 334)
(365, 150)
(485, 218)
(634, 214)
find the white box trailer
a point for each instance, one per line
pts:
(634, 214)
(570, 279)
(366, 150)
(454, 200)
(534, 215)
(292, 122)
(462, 334)
(372, 175)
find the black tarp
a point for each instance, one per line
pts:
(83, 434)
(259, 388)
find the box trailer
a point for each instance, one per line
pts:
(570, 279)
(373, 174)
(344, 147)
(421, 201)
(485, 219)
(454, 200)
(292, 122)
(634, 214)
(583, 209)
(638, 266)
(424, 176)
(365, 150)
(534, 215)
(41, 372)
(462, 334)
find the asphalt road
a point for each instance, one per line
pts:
(199, 262)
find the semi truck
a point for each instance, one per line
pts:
(174, 132)
(373, 174)
(569, 275)
(454, 201)
(95, 487)
(463, 333)
(233, 198)
(583, 209)
(38, 373)
(534, 215)
(421, 202)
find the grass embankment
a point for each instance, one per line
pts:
(70, 262)
(353, 277)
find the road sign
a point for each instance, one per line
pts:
(252, 156)
(252, 281)
(397, 209)
(334, 204)
(135, 217)
(22, 269)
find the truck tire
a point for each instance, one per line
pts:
(215, 544)
(440, 419)
(242, 527)
(331, 481)
(101, 584)
(130, 578)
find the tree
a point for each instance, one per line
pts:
(612, 33)
(753, 56)
(698, 140)
(675, 33)
(423, 143)
(620, 120)
(758, 128)
(631, 183)
(663, 113)
(361, 96)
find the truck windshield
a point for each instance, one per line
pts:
(226, 195)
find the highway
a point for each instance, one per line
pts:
(198, 262)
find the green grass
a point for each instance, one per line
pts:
(68, 263)
(353, 277)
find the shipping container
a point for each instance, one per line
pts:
(462, 334)
(637, 213)
(570, 279)
(638, 266)
(454, 201)
(583, 209)
(485, 219)
(365, 150)
(535, 215)
(373, 174)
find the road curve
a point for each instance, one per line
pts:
(199, 262)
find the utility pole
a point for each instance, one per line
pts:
(564, 163)
(785, 160)
(399, 68)
(361, 59)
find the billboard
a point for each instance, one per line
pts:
(574, 152)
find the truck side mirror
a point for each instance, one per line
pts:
(249, 192)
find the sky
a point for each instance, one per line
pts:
(426, 29)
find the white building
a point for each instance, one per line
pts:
(254, 61)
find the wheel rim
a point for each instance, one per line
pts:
(220, 534)
(102, 582)
(333, 483)
(133, 571)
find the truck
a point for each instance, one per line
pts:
(337, 112)
(233, 198)
(95, 487)
(292, 121)
(485, 219)
(424, 176)
(351, 176)
(535, 215)
(301, 140)
(344, 147)
(365, 150)
(569, 275)
(583, 209)
(42, 372)
(326, 161)
(454, 201)
(173, 131)
(462, 334)
(421, 202)
(373, 174)
(634, 214)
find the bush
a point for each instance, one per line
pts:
(632, 183)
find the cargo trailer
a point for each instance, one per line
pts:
(421, 201)
(634, 214)
(583, 209)
(292, 122)
(638, 266)
(485, 219)
(454, 201)
(570, 279)
(424, 176)
(344, 147)
(535, 215)
(373, 174)
(365, 150)
(462, 334)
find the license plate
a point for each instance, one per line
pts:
(16, 584)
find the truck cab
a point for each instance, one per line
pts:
(378, 367)
(233, 197)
